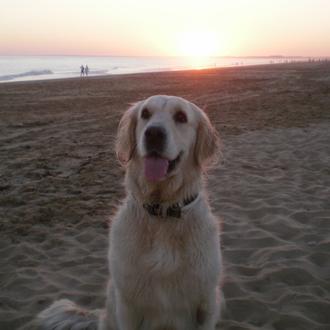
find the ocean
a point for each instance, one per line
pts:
(23, 68)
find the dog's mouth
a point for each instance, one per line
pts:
(156, 167)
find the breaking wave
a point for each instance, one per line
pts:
(26, 74)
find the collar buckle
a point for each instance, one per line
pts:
(174, 211)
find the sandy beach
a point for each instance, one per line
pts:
(60, 182)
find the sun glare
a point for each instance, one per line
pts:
(198, 44)
(199, 47)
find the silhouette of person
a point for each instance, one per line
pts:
(86, 70)
(82, 70)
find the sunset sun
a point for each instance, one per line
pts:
(198, 44)
(198, 47)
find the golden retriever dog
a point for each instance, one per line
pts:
(164, 254)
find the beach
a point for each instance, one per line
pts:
(60, 183)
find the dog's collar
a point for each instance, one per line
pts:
(173, 211)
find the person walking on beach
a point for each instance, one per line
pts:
(86, 70)
(82, 70)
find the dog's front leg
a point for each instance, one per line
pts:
(128, 318)
(207, 315)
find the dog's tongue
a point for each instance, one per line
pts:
(155, 168)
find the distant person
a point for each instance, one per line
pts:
(86, 70)
(82, 70)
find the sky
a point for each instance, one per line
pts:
(165, 28)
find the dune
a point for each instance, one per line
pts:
(60, 183)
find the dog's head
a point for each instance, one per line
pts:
(167, 135)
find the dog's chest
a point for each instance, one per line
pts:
(164, 264)
(166, 260)
(164, 249)
(164, 254)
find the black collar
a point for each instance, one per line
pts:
(174, 210)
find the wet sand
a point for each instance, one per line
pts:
(60, 183)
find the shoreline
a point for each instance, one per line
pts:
(324, 60)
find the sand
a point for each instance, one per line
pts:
(60, 183)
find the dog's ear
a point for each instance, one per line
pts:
(126, 139)
(207, 146)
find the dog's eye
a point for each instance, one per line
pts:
(180, 117)
(145, 114)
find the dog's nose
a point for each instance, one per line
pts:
(155, 139)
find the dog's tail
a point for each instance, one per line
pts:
(64, 315)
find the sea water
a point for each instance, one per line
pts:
(22, 68)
